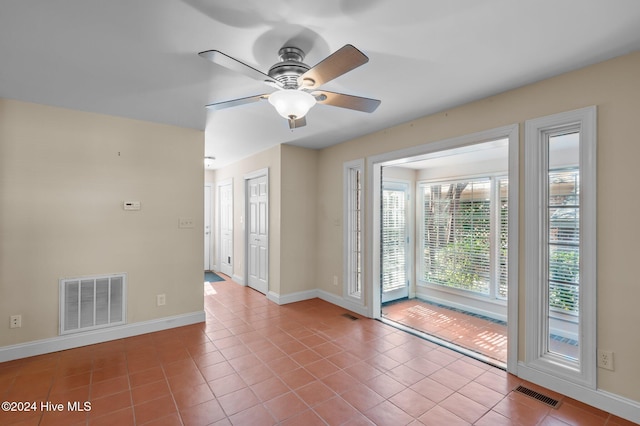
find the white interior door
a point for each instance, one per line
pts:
(257, 233)
(207, 227)
(225, 213)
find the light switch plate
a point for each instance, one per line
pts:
(131, 205)
(185, 222)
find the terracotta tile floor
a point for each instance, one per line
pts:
(256, 363)
(478, 334)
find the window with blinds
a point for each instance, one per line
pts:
(464, 235)
(564, 240)
(394, 237)
(353, 203)
(561, 246)
(502, 184)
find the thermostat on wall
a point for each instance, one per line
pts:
(131, 205)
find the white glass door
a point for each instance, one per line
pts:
(395, 242)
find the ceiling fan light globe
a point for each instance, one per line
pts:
(291, 103)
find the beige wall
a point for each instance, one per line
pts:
(400, 173)
(299, 217)
(63, 177)
(614, 87)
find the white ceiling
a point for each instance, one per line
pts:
(138, 58)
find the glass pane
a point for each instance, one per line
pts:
(457, 230)
(563, 245)
(393, 239)
(354, 234)
(503, 248)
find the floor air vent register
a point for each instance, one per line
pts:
(349, 316)
(553, 403)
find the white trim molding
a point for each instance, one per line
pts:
(70, 341)
(538, 357)
(343, 302)
(298, 296)
(334, 299)
(606, 401)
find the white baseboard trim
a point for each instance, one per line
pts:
(607, 401)
(343, 303)
(291, 297)
(320, 294)
(238, 279)
(61, 343)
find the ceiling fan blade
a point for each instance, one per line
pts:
(346, 101)
(236, 102)
(228, 62)
(340, 62)
(298, 122)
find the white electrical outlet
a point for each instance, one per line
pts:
(335, 280)
(161, 300)
(605, 359)
(15, 321)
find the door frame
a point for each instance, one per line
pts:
(374, 183)
(255, 174)
(219, 224)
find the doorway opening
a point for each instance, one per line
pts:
(225, 227)
(443, 236)
(208, 245)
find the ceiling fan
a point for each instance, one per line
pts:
(297, 83)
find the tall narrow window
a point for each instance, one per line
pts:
(353, 203)
(560, 242)
(502, 216)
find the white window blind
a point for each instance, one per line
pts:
(564, 240)
(394, 236)
(353, 203)
(464, 235)
(503, 238)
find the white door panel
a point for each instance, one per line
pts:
(257, 236)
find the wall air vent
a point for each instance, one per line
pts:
(91, 303)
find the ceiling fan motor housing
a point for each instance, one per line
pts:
(298, 83)
(289, 68)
